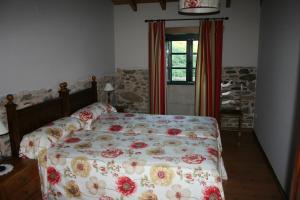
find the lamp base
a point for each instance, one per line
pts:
(108, 97)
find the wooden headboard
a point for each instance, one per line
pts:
(26, 120)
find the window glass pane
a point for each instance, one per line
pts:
(178, 75)
(178, 61)
(195, 46)
(194, 60)
(167, 57)
(194, 73)
(178, 46)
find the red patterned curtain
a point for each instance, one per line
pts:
(208, 69)
(157, 67)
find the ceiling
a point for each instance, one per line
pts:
(133, 3)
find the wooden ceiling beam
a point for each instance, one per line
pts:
(163, 4)
(133, 5)
(121, 2)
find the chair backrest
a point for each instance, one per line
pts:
(231, 94)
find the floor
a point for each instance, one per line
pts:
(250, 177)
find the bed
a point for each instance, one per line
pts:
(118, 155)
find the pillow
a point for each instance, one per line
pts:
(90, 113)
(48, 136)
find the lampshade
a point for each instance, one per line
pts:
(3, 129)
(199, 6)
(108, 87)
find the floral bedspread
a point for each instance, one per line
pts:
(136, 156)
(172, 125)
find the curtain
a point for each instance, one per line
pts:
(157, 67)
(208, 69)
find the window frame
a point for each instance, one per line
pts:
(189, 38)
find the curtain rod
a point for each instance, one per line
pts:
(185, 19)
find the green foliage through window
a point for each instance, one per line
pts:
(181, 56)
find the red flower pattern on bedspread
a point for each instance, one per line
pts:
(53, 176)
(193, 158)
(213, 152)
(115, 128)
(86, 115)
(174, 131)
(105, 198)
(138, 145)
(126, 186)
(212, 193)
(111, 153)
(72, 140)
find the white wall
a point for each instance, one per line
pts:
(278, 74)
(180, 99)
(45, 42)
(240, 35)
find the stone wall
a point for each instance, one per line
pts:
(247, 77)
(132, 90)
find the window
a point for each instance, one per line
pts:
(181, 55)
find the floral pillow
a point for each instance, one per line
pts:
(48, 136)
(90, 113)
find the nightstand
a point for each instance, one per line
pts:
(121, 108)
(21, 183)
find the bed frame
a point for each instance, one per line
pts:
(26, 120)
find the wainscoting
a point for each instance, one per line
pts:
(247, 77)
(132, 90)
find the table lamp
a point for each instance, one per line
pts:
(108, 88)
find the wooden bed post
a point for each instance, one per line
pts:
(94, 87)
(14, 136)
(64, 94)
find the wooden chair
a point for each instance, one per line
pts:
(231, 108)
